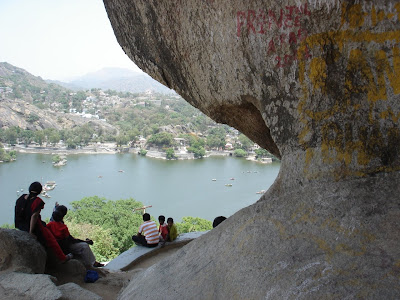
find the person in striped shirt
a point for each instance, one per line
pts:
(147, 234)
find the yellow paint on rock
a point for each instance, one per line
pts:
(338, 142)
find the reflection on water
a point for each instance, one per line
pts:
(174, 188)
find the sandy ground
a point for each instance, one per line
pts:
(111, 283)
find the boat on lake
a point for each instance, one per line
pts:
(49, 185)
(44, 194)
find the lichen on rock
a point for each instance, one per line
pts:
(317, 84)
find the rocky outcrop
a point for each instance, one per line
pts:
(72, 291)
(28, 286)
(15, 112)
(21, 255)
(20, 252)
(317, 84)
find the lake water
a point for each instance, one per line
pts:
(173, 188)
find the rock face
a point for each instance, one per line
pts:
(72, 291)
(317, 83)
(20, 252)
(35, 286)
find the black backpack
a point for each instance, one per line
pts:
(23, 212)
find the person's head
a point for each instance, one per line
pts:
(35, 188)
(57, 216)
(218, 220)
(170, 222)
(62, 209)
(146, 217)
(161, 219)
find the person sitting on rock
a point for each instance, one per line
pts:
(218, 220)
(149, 229)
(68, 243)
(172, 231)
(28, 218)
(163, 228)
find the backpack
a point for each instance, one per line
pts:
(23, 212)
(91, 276)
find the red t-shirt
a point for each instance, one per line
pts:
(36, 206)
(58, 229)
(163, 230)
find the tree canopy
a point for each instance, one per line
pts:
(116, 216)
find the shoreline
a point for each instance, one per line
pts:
(110, 148)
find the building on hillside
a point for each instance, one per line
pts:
(140, 142)
(180, 141)
(228, 146)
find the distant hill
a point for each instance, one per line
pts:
(29, 102)
(119, 79)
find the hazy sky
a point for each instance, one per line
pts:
(58, 39)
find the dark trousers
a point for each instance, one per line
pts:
(141, 240)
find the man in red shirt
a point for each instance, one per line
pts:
(68, 243)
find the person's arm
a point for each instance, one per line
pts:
(34, 218)
(173, 233)
(140, 230)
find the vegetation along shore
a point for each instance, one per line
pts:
(41, 117)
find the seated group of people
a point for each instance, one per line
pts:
(54, 235)
(149, 236)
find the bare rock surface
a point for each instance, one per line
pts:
(20, 252)
(29, 286)
(72, 268)
(317, 84)
(72, 291)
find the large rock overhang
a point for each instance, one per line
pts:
(316, 83)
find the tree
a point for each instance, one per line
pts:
(32, 118)
(121, 139)
(132, 134)
(115, 216)
(54, 137)
(192, 224)
(7, 156)
(103, 248)
(240, 153)
(216, 138)
(162, 139)
(170, 153)
(262, 153)
(245, 141)
(71, 143)
(38, 137)
(56, 158)
(196, 146)
(11, 135)
(27, 136)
